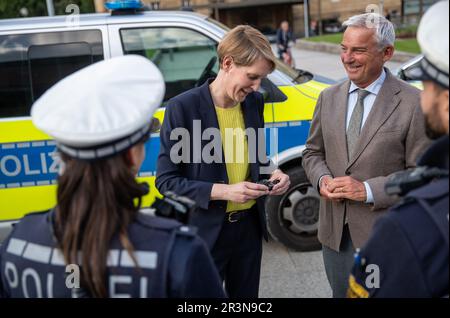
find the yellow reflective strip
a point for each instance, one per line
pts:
(300, 103)
(418, 84)
(160, 114)
(268, 113)
(318, 86)
(296, 107)
(19, 131)
(16, 202)
(150, 197)
(355, 290)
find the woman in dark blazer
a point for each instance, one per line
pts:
(195, 158)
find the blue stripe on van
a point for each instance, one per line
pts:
(28, 164)
(290, 134)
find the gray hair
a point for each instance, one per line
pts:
(384, 29)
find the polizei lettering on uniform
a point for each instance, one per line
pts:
(203, 309)
(24, 276)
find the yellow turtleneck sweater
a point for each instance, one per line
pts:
(235, 148)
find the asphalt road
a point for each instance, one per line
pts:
(284, 272)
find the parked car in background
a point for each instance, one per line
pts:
(331, 26)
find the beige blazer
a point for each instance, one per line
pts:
(392, 139)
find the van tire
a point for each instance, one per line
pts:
(292, 218)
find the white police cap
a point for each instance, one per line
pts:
(102, 109)
(432, 36)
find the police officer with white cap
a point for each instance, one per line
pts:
(96, 242)
(407, 254)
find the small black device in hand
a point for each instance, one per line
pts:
(174, 206)
(268, 183)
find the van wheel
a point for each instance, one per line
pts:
(293, 217)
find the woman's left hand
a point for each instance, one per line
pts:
(283, 185)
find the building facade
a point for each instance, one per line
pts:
(266, 15)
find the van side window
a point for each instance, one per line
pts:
(31, 63)
(185, 57)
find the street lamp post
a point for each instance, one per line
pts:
(320, 17)
(305, 6)
(50, 8)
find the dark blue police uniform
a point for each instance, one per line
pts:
(283, 39)
(173, 262)
(410, 245)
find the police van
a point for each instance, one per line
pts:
(35, 53)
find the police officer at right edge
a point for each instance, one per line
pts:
(407, 254)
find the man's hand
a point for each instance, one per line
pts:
(283, 185)
(241, 192)
(324, 188)
(345, 188)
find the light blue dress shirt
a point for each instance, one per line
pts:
(374, 89)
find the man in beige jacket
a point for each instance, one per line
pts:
(363, 130)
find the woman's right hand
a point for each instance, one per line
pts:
(241, 192)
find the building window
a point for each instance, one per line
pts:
(412, 7)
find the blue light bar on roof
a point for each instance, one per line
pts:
(123, 5)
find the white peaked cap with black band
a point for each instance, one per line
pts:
(432, 35)
(102, 109)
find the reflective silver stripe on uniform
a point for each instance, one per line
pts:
(16, 246)
(145, 259)
(57, 258)
(113, 258)
(48, 255)
(37, 253)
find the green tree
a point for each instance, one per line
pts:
(11, 9)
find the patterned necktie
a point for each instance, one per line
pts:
(354, 127)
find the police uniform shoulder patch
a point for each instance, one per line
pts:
(356, 290)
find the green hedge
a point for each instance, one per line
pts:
(406, 45)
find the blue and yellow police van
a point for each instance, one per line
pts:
(35, 53)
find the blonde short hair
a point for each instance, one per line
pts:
(245, 45)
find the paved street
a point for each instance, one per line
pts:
(286, 273)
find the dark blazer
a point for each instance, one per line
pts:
(391, 140)
(195, 180)
(284, 41)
